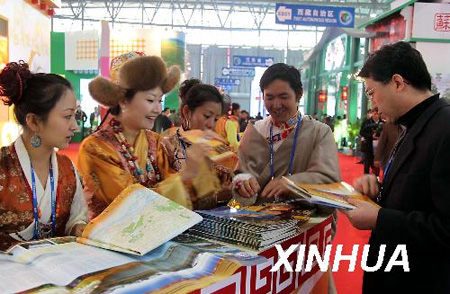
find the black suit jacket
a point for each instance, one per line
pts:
(416, 209)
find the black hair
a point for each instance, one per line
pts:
(284, 72)
(30, 93)
(398, 58)
(129, 95)
(235, 106)
(193, 94)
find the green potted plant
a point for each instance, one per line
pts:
(353, 131)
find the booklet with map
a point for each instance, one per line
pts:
(332, 195)
(138, 221)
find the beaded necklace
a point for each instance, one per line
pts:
(127, 151)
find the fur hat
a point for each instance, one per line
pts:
(118, 61)
(138, 73)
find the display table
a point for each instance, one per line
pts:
(181, 266)
(259, 279)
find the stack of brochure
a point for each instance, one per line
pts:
(249, 228)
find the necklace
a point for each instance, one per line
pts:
(127, 151)
(291, 161)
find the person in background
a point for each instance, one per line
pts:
(414, 195)
(125, 152)
(201, 106)
(94, 118)
(174, 118)
(258, 116)
(81, 118)
(243, 120)
(41, 193)
(228, 126)
(386, 142)
(162, 121)
(369, 132)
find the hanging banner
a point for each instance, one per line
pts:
(81, 50)
(315, 15)
(238, 71)
(252, 61)
(431, 21)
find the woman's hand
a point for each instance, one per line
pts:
(77, 230)
(195, 154)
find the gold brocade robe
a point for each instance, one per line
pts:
(106, 173)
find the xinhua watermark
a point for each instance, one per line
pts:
(399, 258)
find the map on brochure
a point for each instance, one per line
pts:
(137, 221)
(332, 195)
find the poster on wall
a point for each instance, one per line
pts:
(173, 48)
(388, 30)
(81, 50)
(437, 66)
(142, 40)
(335, 54)
(431, 21)
(29, 34)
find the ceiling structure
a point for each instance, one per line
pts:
(193, 15)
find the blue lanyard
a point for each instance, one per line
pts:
(36, 232)
(183, 149)
(291, 161)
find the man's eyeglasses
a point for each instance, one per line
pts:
(369, 92)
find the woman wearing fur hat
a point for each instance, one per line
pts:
(124, 151)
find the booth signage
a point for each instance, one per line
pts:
(252, 61)
(238, 71)
(227, 81)
(315, 15)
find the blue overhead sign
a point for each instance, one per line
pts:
(227, 81)
(252, 61)
(238, 71)
(315, 15)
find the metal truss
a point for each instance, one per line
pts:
(203, 14)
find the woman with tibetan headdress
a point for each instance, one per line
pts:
(124, 151)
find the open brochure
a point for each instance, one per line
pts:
(332, 195)
(137, 221)
(60, 265)
(220, 152)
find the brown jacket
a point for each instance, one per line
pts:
(315, 159)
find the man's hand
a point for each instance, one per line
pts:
(368, 185)
(364, 216)
(275, 188)
(377, 163)
(249, 188)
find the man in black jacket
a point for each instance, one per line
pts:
(415, 194)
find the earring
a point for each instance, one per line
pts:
(36, 141)
(186, 124)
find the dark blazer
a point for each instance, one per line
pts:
(416, 210)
